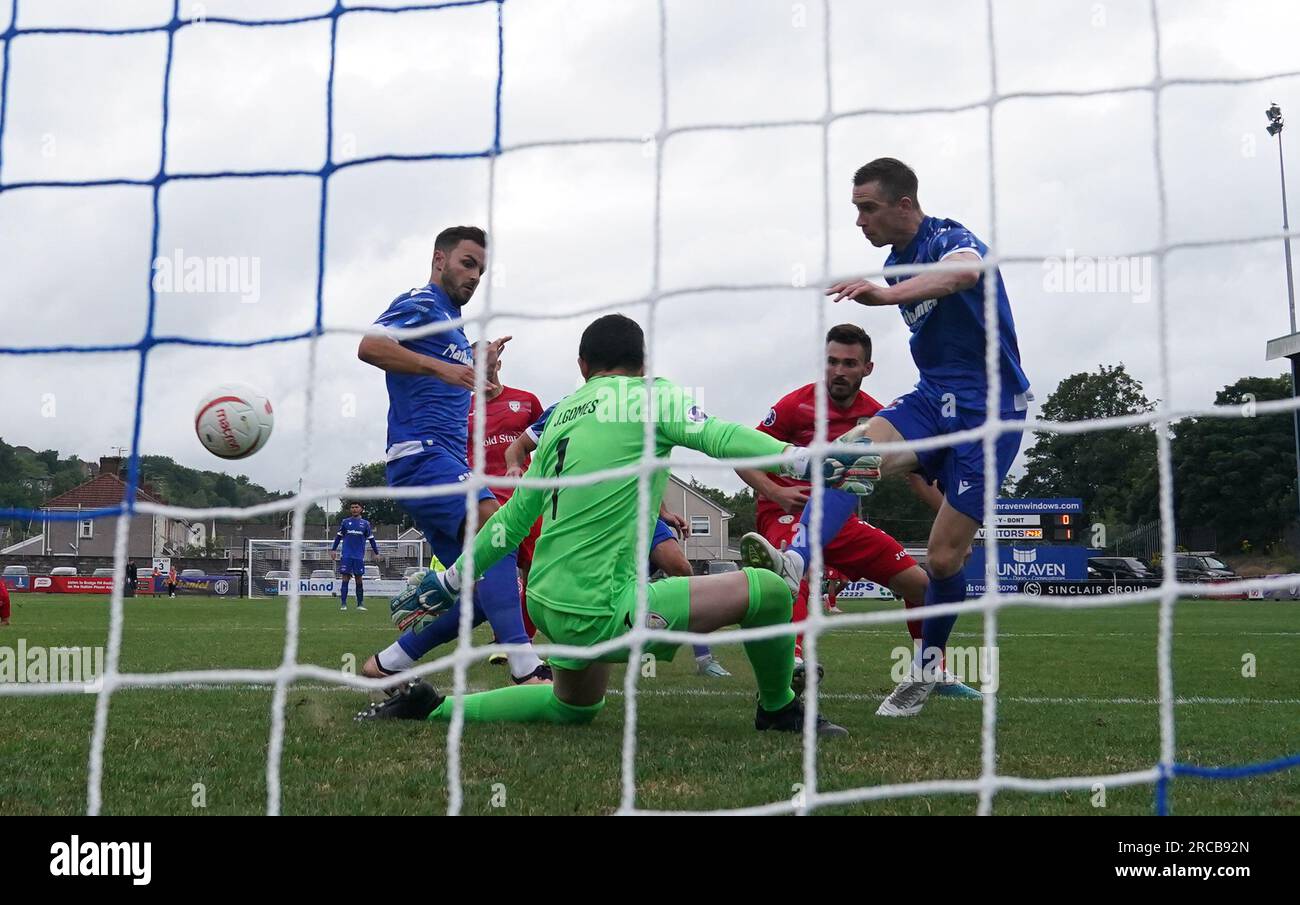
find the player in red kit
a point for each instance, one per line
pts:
(508, 412)
(860, 550)
(4, 603)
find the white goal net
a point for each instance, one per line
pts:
(300, 558)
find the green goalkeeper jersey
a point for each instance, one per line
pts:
(586, 556)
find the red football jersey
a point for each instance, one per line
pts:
(508, 416)
(793, 419)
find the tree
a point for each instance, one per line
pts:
(896, 510)
(1106, 469)
(385, 512)
(1238, 474)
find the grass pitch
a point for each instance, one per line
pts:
(1077, 697)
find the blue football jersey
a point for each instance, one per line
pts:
(948, 334)
(535, 429)
(354, 532)
(421, 408)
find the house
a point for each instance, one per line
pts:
(414, 546)
(709, 522)
(149, 535)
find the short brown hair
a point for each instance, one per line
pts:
(895, 177)
(452, 236)
(851, 334)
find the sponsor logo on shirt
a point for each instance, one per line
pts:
(460, 355)
(915, 313)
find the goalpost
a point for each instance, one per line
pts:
(270, 562)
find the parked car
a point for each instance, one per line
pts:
(1202, 567)
(102, 573)
(1120, 567)
(16, 571)
(721, 566)
(372, 572)
(321, 574)
(271, 581)
(192, 573)
(64, 570)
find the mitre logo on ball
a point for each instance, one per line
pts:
(234, 421)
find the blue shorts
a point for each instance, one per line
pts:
(662, 533)
(352, 565)
(959, 469)
(442, 517)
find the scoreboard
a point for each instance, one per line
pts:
(1052, 521)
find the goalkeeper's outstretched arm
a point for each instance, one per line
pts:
(850, 466)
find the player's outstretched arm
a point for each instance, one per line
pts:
(791, 499)
(933, 284)
(438, 590)
(390, 356)
(852, 467)
(505, 529)
(517, 454)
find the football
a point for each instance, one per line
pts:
(234, 421)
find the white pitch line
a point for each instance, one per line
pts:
(829, 696)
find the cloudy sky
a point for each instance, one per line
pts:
(573, 225)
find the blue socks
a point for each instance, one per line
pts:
(837, 506)
(935, 631)
(343, 598)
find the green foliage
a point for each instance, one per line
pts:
(1104, 468)
(28, 479)
(1239, 474)
(386, 512)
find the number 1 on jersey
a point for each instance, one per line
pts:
(560, 449)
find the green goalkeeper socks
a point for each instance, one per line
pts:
(772, 658)
(518, 704)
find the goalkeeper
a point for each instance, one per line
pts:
(583, 585)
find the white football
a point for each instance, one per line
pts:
(234, 421)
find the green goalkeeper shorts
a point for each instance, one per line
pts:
(668, 607)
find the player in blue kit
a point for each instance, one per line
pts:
(354, 531)
(429, 380)
(944, 309)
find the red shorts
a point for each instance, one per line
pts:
(860, 550)
(525, 556)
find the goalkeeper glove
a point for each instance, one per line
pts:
(428, 594)
(852, 469)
